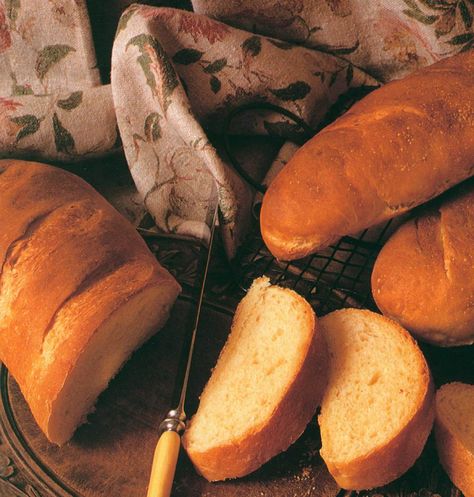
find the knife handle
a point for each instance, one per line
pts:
(164, 464)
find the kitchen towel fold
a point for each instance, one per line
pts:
(52, 104)
(176, 76)
(387, 38)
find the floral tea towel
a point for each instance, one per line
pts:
(52, 104)
(387, 38)
(176, 76)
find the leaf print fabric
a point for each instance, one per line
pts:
(71, 102)
(177, 75)
(46, 45)
(5, 37)
(48, 56)
(175, 78)
(387, 38)
(52, 126)
(50, 93)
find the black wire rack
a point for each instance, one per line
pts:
(336, 277)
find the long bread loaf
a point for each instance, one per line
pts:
(79, 291)
(398, 147)
(424, 275)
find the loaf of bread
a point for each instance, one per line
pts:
(266, 387)
(79, 291)
(397, 148)
(424, 275)
(378, 408)
(454, 432)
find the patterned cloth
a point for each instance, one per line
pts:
(51, 103)
(175, 72)
(177, 75)
(387, 38)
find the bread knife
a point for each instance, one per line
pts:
(172, 427)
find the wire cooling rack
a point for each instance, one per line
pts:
(338, 276)
(335, 277)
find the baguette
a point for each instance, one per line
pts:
(79, 291)
(266, 387)
(398, 147)
(454, 433)
(378, 409)
(424, 275)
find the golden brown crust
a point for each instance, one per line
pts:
(424, 275)
(64, 251)
(83, 315)
(456, 459)
(400, 146)
(388, 461)
(285, 425)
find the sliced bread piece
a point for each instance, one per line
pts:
(265, 388)
(454, 430)
(378, 409)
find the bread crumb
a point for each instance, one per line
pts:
(306, 472)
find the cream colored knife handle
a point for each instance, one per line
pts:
(164, 464)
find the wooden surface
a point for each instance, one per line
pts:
(112, 454)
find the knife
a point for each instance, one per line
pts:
(172, 427)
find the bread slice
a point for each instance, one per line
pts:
(454, 431)
(79, 291)
(266, 386)
(378, 409)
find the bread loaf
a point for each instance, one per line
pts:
(79, 291)
(378, 409)
(397, 148)
(424, 275)
(454, 431)
(267, 385)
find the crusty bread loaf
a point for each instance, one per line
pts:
(454, 431)
(79, 291)
(424, 275)
(398, 147)
(378, 409)
(267, 385)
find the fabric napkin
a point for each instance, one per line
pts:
(52, 104)
(387, 38)
(176, 76)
